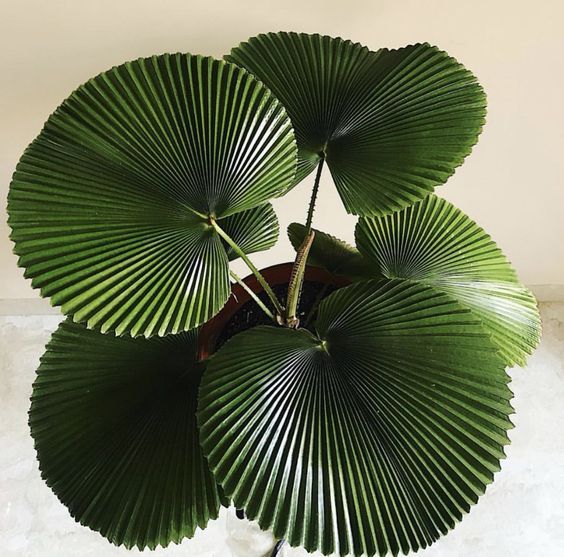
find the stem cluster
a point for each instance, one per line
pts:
(285, 315)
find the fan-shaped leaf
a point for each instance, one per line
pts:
(115, 431)
(436, 243)
(109, 205)
(334, 255)
(377, 435)
(392, 124)
(252, 230)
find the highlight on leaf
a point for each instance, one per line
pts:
(114, 425)
(391, 124)
(110, 205)
(435, 243)
(375, 435)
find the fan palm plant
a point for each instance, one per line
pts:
(355, 401)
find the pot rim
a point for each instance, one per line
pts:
(275, 275)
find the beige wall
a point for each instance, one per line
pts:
(512, 183)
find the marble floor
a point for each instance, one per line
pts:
(522, 513)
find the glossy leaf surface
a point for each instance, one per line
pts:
(437, 244)
(252, 230)
(392, 124)
(109, 205)
(376, 435)
(114, 425)
(334, 255)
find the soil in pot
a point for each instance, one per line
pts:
(250, 315)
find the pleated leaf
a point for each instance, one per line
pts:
(376, 435)
(437, 244)
(252, 230)
(334, 255)
(114, 424)
(391, 124)
(109, 205)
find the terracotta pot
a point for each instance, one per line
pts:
(275, 276)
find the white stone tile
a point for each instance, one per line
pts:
(521, 514)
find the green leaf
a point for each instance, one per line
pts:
(114, 425)
(334, 255)
(437, 244)
(252, 230)
(376, 435)
(392, 124)
(109, 205)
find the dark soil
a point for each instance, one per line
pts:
(250, 315)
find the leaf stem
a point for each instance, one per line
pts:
(258, 301)
(275, 302)
(314, 193)
(196, 213)
(298, 270)
(296, 281)
(277, 548)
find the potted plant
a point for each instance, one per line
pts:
(365, 417)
